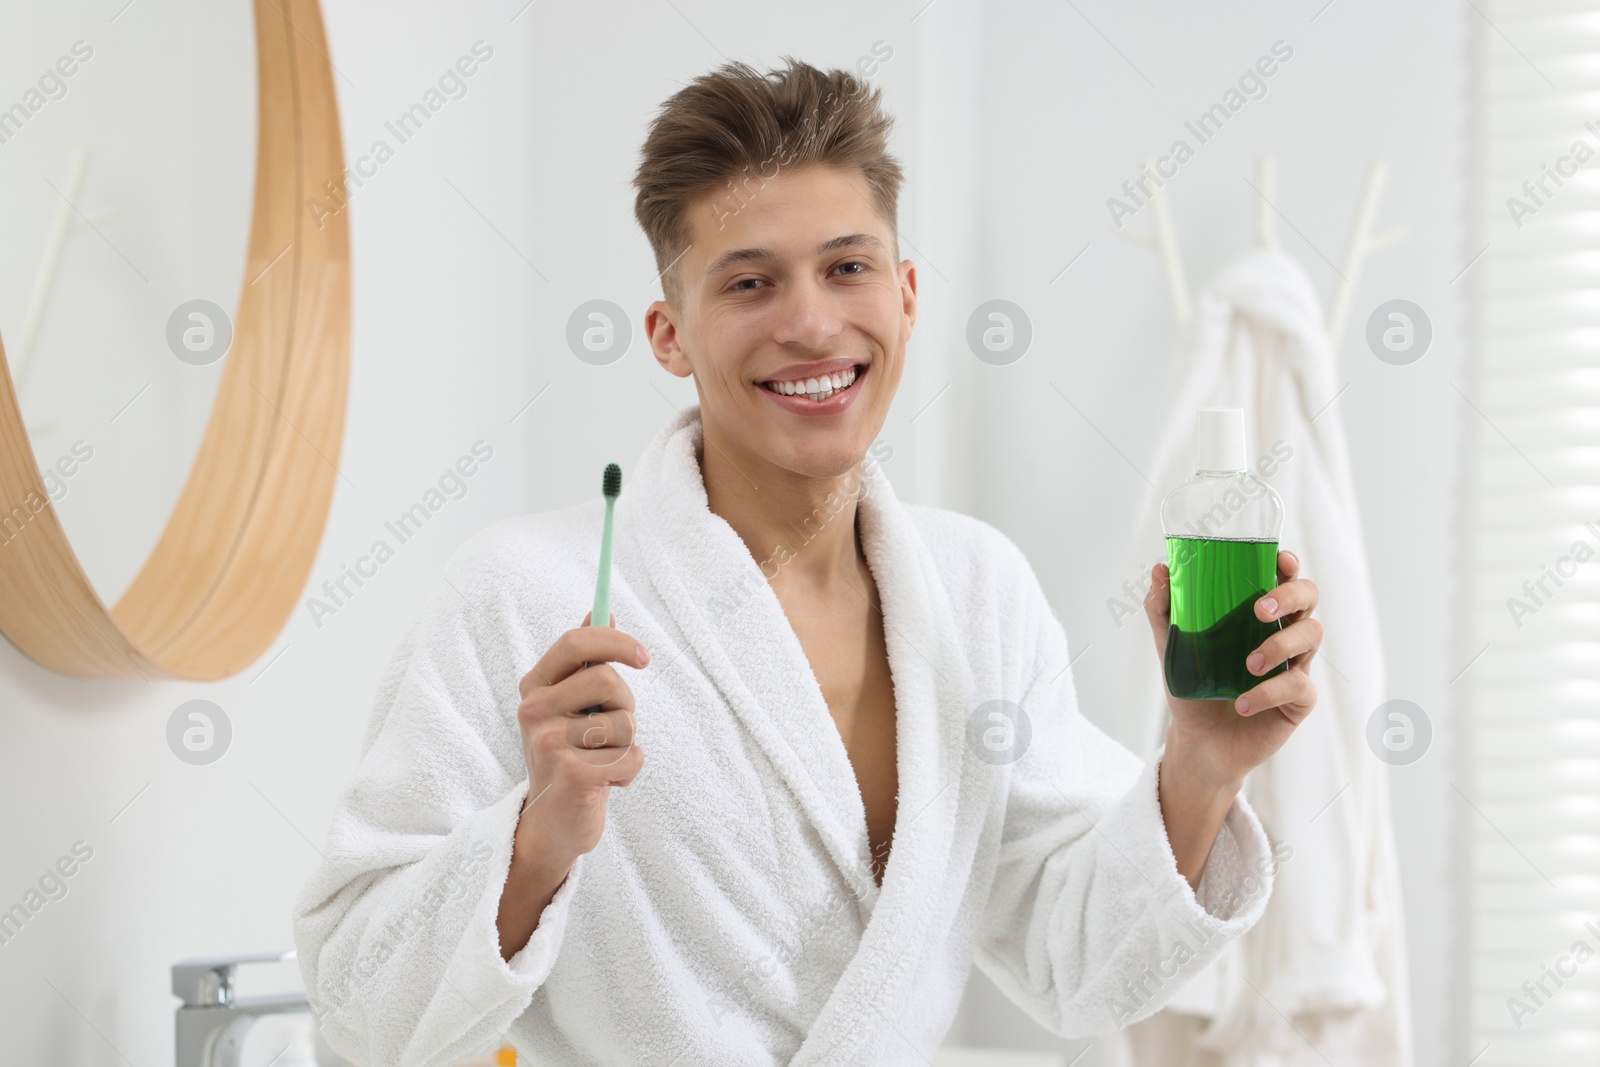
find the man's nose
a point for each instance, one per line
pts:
(807, 316)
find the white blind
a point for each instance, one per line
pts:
(1529, 803)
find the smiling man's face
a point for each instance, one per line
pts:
(796, 289)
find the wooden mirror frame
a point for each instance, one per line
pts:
(232, 561)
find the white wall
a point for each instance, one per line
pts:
(474, 243)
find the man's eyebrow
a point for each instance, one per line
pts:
(745, 255)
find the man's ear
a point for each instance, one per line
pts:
(908, 291)
(663, 333)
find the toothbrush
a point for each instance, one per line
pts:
(610, 488)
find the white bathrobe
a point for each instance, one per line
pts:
(729, 914)
(1323, 977)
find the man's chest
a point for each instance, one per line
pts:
(850, 659)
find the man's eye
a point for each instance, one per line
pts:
(855, 263)
(741, 281)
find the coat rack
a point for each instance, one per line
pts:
(63, 226)
(1361, 243)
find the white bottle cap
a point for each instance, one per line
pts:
(1219, 439)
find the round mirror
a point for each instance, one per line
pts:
(174, 309)
(128, 198)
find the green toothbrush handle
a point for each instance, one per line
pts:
(601, 615)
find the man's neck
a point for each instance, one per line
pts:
(801, 530)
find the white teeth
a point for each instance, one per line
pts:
(817, 389)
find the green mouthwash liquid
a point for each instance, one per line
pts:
(1222, 527)
(1215, 586)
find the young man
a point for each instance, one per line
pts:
(867, 766)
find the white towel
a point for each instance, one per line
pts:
(729, 915)
(1329, 953)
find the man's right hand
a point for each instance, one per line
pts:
(577, 722)
(576, 754)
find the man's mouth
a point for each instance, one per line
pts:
(818, 387)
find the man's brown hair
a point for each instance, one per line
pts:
(735, 129)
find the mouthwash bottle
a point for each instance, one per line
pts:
(1222, 530)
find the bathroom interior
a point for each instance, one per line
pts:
(1423, 165)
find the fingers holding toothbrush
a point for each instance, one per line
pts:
(577, 722)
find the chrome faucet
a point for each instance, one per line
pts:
(212, 1022)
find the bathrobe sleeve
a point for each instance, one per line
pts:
(396, 930)
(1089, 925)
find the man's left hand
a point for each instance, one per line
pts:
(1224, 740)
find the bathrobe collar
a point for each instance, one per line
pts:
(733, 628)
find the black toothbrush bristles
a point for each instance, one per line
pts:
(611, 481)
